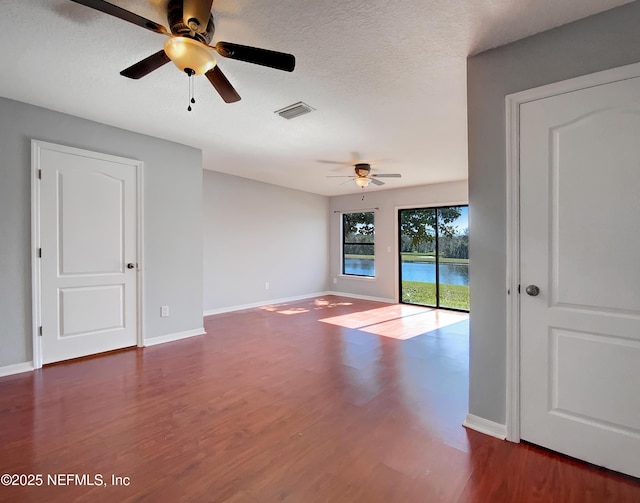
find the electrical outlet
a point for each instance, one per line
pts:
(335, 281)
(164, 311)
(266, 286)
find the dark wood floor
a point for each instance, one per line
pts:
(298, 403)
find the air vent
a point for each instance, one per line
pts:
(295, 110)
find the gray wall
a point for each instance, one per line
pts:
(172, 220)
(593, 44)
(255, 233)
(384, 285)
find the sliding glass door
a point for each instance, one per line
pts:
(434, 257)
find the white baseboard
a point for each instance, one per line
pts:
(362, 297)
(153, 341)
(485, 426)
(211, 312)
(16, 368)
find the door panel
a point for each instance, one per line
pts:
(96, 244)
(580, 337)
(592, 392)
(91, 309)
(579, 221)
(88, 234)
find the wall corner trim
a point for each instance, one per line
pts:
(154, 341)
(485, 426)
(16, 368)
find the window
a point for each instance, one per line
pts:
(434, 257)
(358, 254)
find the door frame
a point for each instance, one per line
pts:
(36, 284)
(512, 108)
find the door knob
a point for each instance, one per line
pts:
(131, 265)
(532, 290)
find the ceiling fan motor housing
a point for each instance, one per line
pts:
(183, 27)
(362, 169)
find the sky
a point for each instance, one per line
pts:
(462, 222)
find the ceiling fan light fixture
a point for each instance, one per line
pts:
(362, 181)
(187, 53)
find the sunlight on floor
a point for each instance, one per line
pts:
(318, 304)
(400, 321)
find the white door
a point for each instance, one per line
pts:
(88, 236)
(580, 244)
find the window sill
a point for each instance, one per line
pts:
(359, 278)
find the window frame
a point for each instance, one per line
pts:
(344, 244)
(436, 210)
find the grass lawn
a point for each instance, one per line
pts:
(453, 296)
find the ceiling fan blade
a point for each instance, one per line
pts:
(341, 163)
(123, 14)
(200, 10)
(146, 66)
(264, 57)
(340, 176)
(376, 182)
(387, 175)
(222, 85)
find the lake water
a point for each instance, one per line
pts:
(425, 272)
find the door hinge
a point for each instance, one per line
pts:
(518, 288)
(39, 174)
(40, 330)
(39, 252)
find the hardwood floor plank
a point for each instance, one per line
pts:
(323, 400)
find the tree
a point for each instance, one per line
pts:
(456, 246)
(358, 232)
(355, 224)
(419, 225)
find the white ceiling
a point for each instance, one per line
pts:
(387, 79)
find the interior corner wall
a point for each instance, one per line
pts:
(385, 284)
(257, 233)
(593, 44)
(172, 220)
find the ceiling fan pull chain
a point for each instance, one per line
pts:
(190, 73)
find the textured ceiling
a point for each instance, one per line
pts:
(386, 77)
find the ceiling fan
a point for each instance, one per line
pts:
(363, 175)
(192, 28)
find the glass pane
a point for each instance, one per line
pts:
(453, 251)
(417, 256)
(359, 260)
(358, 227)
(358, 243)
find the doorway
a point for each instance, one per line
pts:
(433, 247)
(574, 320)
(86, 252)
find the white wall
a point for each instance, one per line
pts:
(589, 45)
(256, 233)
(172, 220)
(385, 283)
